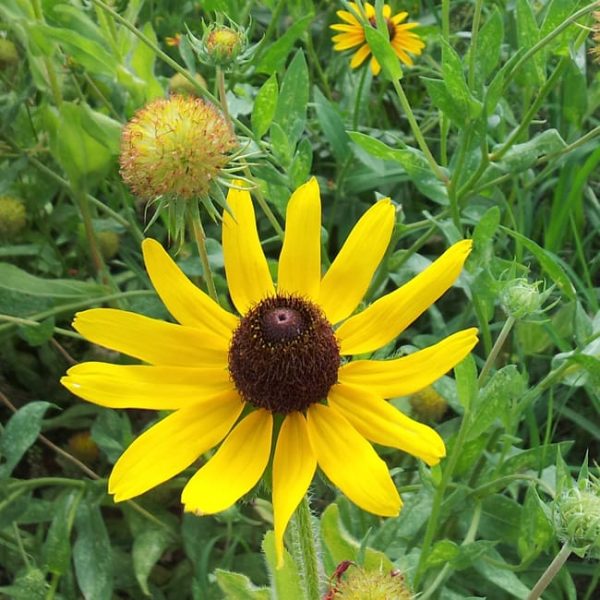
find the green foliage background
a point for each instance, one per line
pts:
(507, 99)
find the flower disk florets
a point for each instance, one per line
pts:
(284, 355)
(175, 148)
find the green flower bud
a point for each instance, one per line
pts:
(428, 404)
(577, 517)
(13, 217)
(521, 299)
(224, 45)
(8, 53)
(108, 243)
(178, 84)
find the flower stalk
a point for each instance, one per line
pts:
(551, 572)
(304, 549)
(200, 239)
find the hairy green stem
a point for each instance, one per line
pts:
(305, 551)
(551, 572)
(200, 239)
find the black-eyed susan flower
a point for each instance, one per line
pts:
(280, 373)
(402, 38)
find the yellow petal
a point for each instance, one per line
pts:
(375, 66)
(345, 41)
(172, 445)
(369, 10)
(187, 303)
(387, 11)
(347, 28)
(300, 259)
(151, 340)
(294, 465)
(350, 274)
(409, 374)
(348, 17)
(235, 468)
(140, 386)
(248, 276)
(387, 317)
(399, 17)
(383, 424)
(359, 56)
(350, 462)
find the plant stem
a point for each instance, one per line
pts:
(491, 359)
(473, 47)
(200, 238)
(359, 91)
(223, 98)
(305, 552)
(417, 132)
(551, 572)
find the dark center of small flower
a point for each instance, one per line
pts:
(284, 355)
(390, 27)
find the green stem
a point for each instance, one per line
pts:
(551, 572)
(223, 98)
(200, 238)
(473, 48)
(417, 132)
(446, 19)
(447, 471)
(305, 552)
(359, 91)
(491, 359)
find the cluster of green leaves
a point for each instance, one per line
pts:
(506, 102)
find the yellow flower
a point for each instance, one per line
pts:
(284, 361)
(402, 39)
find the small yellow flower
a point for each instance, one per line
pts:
(402, 39)
(173, 41)
(282, 366)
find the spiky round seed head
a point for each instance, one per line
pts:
(521, 299)
(8, 53)
(577, 517)
(223, 44)
(359, 584)
(13, 217)
(284, 355)
(428, 404)
(178, 84)
(175, 148)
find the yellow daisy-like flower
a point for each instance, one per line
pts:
(282, 362)
(402, 39)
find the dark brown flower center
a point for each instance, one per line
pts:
(390, 27)
(284, 355)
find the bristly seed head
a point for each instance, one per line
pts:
(284, 355)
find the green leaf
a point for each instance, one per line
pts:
(441, 553)
(302, 163)
(548, 262)
(532, 73)
(142, 62)
(496, 399)
(36, 335)
(274, 58)
(382, 50)
(521, 157)
(456, 84)
(412, 161)
(535, 458)
(442, 99)
(236, 586)
(285, 582)
(293, 99)
(112, 432)
(20, 433)
(466, 382)
(558, 12)
(57, 546)
(31, 585)
(280, 144)
(483, 235)
(332, 125)
(502, 577)
(92, 554)
(84, 51)
(14, 279)
(148, 546)
(265, 104)
(536, 533)
(102, 128)
(489, 45)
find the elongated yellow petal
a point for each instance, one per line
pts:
(387, 317)
(248, 276)
(375, 66)
(300, 259)
(348, 17)
(409, 374)
(172, 445)
(235, 468)
(345, 41)
(350, 462)
(151, 340)
(383, 424)
(141, 386)
(294, 465)
(350, 274)
(187, 303)
(399, 17)
(359, 56)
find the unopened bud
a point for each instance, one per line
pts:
(13, 217)
(428, 404)
(223, 44)
(521, 299)
(178, 84)
(8, 53)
